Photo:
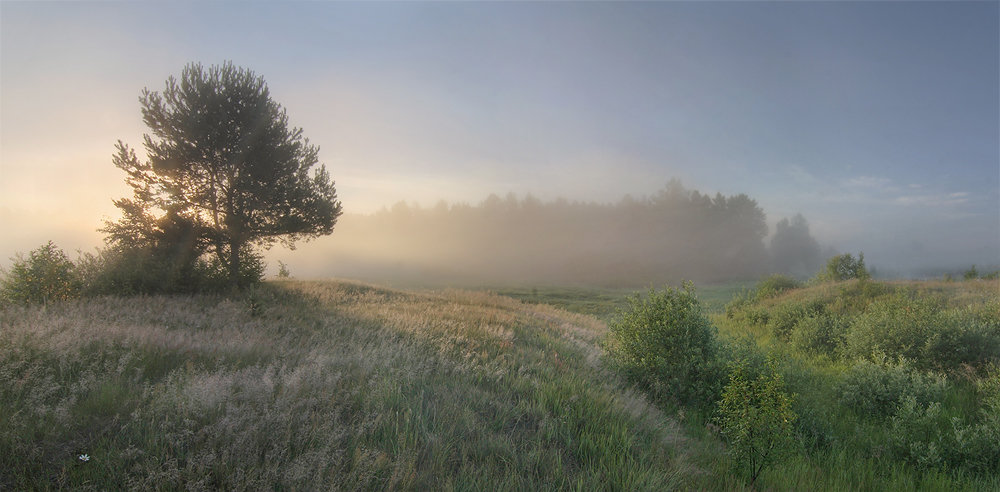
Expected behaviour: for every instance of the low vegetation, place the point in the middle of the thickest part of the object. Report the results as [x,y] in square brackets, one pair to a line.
[897,376]
[46,275]
[828,385]
[841,383]
[311,386]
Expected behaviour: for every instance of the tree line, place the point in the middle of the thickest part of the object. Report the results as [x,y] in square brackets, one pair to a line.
[677,233]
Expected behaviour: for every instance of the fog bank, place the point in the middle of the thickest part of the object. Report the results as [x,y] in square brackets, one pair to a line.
[673,235]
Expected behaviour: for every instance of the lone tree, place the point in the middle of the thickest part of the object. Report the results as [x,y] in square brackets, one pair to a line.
[225,167]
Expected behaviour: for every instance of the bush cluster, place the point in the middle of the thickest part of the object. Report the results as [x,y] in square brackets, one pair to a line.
[911,357]
[877,389]
[864,319]
[664,343]
[48,275]
[923,331]
[924,436]
[820,334]
[844,267]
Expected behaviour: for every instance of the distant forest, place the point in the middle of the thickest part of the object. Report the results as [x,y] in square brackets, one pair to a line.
[675,234]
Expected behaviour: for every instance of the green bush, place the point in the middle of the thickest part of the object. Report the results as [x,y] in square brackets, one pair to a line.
[897,327]
[963,337]
[785,316]
[45,276]
[979,442]
[741,301]
[820,334]
[844,267]
[922,331]
[854,297]
[131,271]
[664,343]
[774,285]
[876,389]
[918,434]
[138,271]
[756,417]
[922,435]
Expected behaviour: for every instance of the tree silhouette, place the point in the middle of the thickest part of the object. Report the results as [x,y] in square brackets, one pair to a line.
[793,248]
[223,162]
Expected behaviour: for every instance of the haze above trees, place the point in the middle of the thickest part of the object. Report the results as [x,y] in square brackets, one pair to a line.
[675,234]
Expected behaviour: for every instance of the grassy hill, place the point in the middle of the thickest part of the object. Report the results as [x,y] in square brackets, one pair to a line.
[335,385]
[896,384]
[304,386]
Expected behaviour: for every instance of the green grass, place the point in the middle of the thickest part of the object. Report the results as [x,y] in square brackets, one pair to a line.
[310,386]
[333,385]
[604,303]
[842,448]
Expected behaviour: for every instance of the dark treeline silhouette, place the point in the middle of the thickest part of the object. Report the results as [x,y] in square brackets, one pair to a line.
[675,234]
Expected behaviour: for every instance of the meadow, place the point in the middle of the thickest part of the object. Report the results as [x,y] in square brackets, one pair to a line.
[321,385]
[337,385]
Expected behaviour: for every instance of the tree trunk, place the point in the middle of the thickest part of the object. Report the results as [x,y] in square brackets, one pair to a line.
[234,262]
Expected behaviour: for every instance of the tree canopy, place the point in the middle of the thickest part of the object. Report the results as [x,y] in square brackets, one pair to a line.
[225,172]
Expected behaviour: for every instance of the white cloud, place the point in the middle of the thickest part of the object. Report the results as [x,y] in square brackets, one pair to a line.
[934,200]
[868,182]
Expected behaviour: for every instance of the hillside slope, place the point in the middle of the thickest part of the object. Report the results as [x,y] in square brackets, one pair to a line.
[321,386]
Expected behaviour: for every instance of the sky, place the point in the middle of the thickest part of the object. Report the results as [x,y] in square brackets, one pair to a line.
[878,121]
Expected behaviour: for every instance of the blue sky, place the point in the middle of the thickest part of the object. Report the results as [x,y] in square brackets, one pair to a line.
[877,121]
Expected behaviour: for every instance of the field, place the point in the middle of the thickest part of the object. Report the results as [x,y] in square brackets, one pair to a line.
[321,385]
[336,385]
[604,304]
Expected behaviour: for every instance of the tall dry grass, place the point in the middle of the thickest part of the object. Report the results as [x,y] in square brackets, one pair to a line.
[323,385]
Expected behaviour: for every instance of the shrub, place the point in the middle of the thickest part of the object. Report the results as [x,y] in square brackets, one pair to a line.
[876,389]
[252,269]
[962,337]
[854,297]
[922,435]
[756,417]
[785,316]
[979,442]
[131,271]
[971,273]
[820,334]
[45,276]
[917,434]
[741,301]
[664,343]
[774,285]
[897,326]
[844,267]
[923,332]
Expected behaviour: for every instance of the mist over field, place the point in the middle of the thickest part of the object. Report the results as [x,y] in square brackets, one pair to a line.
[675,234]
